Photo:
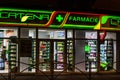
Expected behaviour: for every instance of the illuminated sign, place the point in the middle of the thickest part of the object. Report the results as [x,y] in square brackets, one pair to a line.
[51,19]
[87,48]
[24,17]
[83,19]
[110,22]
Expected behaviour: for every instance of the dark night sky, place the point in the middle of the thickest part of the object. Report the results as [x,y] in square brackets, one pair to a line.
[102,6]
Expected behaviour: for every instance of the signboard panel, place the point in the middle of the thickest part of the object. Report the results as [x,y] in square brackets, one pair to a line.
[110,22]
[51,19]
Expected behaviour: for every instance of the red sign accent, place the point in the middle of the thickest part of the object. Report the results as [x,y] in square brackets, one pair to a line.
[102,35]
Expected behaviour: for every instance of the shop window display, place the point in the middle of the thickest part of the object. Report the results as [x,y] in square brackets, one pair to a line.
[58,56]
[108,52]
[4,48]
[85,50]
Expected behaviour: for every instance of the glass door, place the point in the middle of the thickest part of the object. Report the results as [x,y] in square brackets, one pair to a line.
[44,55]
[51,55]
[59,55]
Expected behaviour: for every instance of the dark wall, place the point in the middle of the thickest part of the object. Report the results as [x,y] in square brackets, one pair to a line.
[118,51]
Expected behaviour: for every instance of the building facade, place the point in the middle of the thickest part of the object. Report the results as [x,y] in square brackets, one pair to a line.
[36,41]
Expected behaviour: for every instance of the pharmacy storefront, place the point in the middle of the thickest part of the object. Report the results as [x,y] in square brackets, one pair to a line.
[35,41]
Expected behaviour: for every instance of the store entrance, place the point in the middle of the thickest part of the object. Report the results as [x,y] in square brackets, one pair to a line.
[51,55]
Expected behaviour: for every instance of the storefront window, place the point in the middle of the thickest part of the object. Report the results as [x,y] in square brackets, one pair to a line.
[44,55]
[108,52]
[8,50]
[59,55]
[86,50]
[51,34]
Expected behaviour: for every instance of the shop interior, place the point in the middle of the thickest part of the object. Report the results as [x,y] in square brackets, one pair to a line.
[55,49]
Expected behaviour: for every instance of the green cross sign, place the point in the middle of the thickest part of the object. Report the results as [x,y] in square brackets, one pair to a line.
[59,18]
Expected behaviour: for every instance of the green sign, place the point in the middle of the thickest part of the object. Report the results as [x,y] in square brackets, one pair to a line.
[19,17]
[110,22]
[51,19]
[83,19]
[87,48]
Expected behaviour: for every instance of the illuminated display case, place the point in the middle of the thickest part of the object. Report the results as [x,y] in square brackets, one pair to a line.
[58,55]
[70,55]
[12,55]
[91,54]
[44,55]
[106,55]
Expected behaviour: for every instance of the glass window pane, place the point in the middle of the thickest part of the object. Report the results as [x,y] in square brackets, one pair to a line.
[44,55]
[70,56]
[108,52]
[27,33]
[85,34]
[51,34]
[7,32]
[86,52]
[70,34]
[4,66]
[27,55]
[58,56]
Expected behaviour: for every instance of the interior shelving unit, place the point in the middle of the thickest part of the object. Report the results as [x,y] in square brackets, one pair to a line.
[12,55]
[59,50]
[91,54]
[33,55]
[106,55]
[44,55]
[70,55]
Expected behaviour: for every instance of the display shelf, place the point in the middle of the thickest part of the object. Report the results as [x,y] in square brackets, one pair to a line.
[70,54]
[33,56]
[106,55]
[91,55]
[12,54]
[59,50]
[44,55]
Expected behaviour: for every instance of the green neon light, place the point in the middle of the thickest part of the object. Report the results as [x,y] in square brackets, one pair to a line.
[24,16]
[29,17]
[83,19]
[87,48]
[79,26]
[104,64]
[105,18]
[59,18]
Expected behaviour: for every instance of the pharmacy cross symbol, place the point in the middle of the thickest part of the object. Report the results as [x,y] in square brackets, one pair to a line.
[59,18]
